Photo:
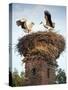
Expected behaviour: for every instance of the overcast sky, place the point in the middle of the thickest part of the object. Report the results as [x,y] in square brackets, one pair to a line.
[36,14]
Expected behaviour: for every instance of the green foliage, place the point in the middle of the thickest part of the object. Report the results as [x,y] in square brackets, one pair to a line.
[61,77]
[17,80]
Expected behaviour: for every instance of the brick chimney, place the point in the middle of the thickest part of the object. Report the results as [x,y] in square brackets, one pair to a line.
[40,51]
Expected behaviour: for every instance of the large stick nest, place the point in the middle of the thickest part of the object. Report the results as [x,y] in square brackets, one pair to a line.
[46,44]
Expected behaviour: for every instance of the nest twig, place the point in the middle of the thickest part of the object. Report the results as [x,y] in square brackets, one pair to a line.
[47,44]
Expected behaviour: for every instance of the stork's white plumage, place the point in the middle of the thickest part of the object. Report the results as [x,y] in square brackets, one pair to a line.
[23,19]
[48,27]
[25,24]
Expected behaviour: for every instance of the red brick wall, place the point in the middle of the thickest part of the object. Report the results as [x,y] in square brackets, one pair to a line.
[40,76]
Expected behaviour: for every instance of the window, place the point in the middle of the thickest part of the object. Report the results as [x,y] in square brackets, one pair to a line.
[48,72]
[33,71]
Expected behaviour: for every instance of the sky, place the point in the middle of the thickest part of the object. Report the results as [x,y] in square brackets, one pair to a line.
[35,13]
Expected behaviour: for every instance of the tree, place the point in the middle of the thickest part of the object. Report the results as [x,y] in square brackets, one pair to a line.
[61,76]
[16,80]
[22,75]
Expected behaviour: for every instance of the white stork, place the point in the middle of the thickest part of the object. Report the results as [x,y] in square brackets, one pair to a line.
[25,24]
